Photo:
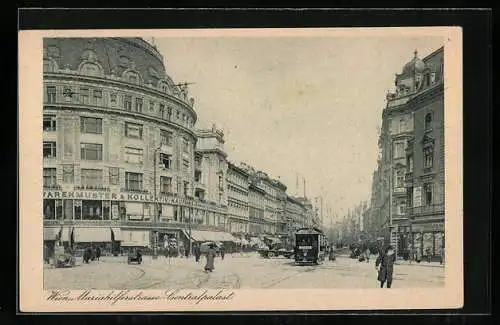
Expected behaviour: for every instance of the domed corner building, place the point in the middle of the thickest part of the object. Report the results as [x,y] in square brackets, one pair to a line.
[117,133]
[411,160]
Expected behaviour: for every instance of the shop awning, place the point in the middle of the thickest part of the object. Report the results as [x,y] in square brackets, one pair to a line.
[215,236]
[92,234]
[51,233]
[117,233]
[135,238]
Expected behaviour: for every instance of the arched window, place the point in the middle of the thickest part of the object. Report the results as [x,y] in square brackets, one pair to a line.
[428,121]
[132,77]
[90,69]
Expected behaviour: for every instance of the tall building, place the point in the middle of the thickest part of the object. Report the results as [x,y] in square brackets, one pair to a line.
[238,199]
[118,146]
[408,189]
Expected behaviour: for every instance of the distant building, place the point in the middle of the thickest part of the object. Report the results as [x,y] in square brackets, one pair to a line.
[238,199]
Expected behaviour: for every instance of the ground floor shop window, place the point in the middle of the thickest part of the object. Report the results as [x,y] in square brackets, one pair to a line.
[78,209]
[68,209]
[106,210]
[91,210]
[49,209]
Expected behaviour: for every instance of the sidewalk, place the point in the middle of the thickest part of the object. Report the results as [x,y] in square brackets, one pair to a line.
[422,263]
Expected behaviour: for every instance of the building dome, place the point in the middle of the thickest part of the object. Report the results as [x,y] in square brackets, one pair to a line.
[111,56]
[416,65]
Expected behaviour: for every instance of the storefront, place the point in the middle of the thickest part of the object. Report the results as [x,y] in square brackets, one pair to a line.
[426,239]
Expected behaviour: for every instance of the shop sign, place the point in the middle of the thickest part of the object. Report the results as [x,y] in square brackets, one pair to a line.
[428,227]
[130,197]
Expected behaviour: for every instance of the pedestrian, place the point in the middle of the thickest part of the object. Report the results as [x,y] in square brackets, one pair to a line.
[181,251]
[87,255]
[186,252]
[197,252]
[46,254]
[428,254]
[385,266]
[210,255]
[367,255]
[97,252]
[222,251]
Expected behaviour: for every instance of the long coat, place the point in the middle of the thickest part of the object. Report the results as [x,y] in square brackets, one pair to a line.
[386,263]
[210,260]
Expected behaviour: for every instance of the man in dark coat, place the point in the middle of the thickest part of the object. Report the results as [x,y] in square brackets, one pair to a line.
[97,252]
[385,264]
[87,254]
[197,252]
[222,251]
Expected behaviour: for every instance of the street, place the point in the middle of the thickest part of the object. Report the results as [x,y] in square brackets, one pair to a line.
[236,271]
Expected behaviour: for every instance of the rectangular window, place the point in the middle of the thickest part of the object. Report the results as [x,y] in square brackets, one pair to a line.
[165,184]
[166,138]
[133,130]
[112,99]
[91,125]
[186,188]
[97,97]
[51,94]
[127,102]
[151,105]
[68,173]
[91,178]
[49,123]
[165,161]
[399,150]
[428,193]
[409,197]
[185,165]
[428,157]
[133,155]
[409,164]
[49,177]
[178,115]
[402,208]
[138,105]
[133,181]
[114,176]
[49,149]
[162,111]
[169,113]
[399,183]
[84,95]
[90,151]
[185,145]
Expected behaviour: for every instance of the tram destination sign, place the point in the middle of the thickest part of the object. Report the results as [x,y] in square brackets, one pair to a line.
[112,196]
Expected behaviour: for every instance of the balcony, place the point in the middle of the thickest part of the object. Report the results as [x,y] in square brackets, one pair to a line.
[82,223]
[434,209]
[399,191]
[131,190]
[93,188]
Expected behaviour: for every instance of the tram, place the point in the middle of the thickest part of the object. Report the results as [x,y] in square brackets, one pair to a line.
[311,246]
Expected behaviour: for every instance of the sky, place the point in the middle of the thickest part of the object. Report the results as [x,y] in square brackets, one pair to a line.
[295,107]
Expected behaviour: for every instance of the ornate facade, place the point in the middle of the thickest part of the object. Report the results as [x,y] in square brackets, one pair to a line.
[123,162]
[410,172]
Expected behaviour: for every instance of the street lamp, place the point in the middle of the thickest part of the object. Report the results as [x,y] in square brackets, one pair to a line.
[157,204]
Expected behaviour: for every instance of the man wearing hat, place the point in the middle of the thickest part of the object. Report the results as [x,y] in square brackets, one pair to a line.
[385,265]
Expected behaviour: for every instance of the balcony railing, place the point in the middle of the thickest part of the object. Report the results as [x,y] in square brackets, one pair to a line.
[92,187]
[426,210]
[124,189]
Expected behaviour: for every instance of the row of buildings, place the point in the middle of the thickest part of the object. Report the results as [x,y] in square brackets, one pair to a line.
[408,191]
[123,161]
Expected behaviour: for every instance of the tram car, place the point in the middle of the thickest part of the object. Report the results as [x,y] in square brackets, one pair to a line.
[311,246]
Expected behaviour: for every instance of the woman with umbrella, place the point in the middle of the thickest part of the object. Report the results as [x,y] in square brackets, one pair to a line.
[210,254]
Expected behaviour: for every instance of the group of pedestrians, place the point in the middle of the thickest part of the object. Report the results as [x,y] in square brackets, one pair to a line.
[91,254]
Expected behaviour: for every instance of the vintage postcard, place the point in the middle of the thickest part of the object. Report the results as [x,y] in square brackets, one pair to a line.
[240,169]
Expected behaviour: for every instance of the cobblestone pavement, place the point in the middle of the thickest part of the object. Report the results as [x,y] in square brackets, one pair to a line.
[235,271]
